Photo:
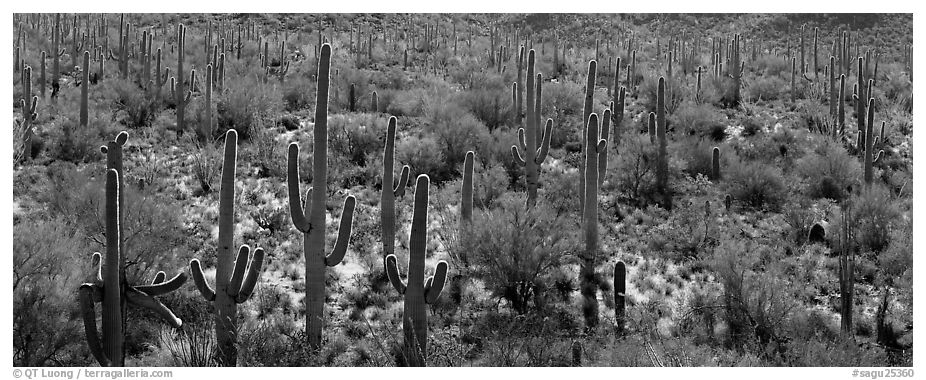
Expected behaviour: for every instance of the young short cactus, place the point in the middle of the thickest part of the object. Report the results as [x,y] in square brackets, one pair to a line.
[528,154]
[390,190]
[109,285]
[588,280]
[715,164]
[374,102]
[620,292]
[310,220]
[417,291]
[231,285]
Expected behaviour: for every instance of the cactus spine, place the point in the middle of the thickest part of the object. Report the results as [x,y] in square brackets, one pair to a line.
[109,285]
[231,285]
[310,220]
[417,291]
[587,277]
[528,154]
[390,190]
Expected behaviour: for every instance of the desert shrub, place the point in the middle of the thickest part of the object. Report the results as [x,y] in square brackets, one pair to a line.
[456,131]
[422,154]
[765,88]
[634,169]
[829,170]
[756,185]
[355,136]
[206,165]
[700,120]
[138,107]
[773,66]
[489,184]
[563,101]
[875,213]
[533,339]
[269,156]
[697,155]
[244,104]
[516,248]
[299,92]
[49,258]
[757,303]
[488,99]
[154,235]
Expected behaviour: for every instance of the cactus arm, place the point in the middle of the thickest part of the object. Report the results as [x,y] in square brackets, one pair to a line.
[521,140]
[200,280]
[159,278]
[545,143]
[250,281]
[392,270]
[139,298]
[163,287]
[97,261]
[344,230]
[241,263]
[292,181]
[433,289]
[517,155]
[602,145]
[399,189]
[86,300]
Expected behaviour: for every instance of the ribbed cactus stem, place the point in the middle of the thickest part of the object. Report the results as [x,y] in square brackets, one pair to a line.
[620,292]
[869,142]
[418,291]
[715,164]
[310,220]
[85,90]
[231,286]
[587,278]
[390,190]
[662,161]
[112,283]
[586,112]
[527,152]
[466,207]
[603,155]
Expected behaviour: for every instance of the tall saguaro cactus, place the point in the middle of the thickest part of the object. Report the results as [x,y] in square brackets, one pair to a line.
[662,162]
[588,280]
[109,285]
[390,190]
[528,154]
[591,79]
[231,285]
[85,90]
[178,90]
[417,291]
[27,104]
[310,220]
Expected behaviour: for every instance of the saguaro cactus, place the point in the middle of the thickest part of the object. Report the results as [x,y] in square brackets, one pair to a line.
[85,90]
[390,190]
[662,163]
[231,285]
[310,220]
[620,292]
[27,104]
[528,154]
[586,112]
[178,88]
[417,291]
[109,286]
[588,280]
[715,164]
